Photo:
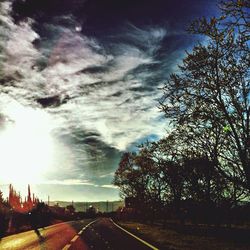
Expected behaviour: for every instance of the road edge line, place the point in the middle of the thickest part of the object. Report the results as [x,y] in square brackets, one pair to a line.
[136,237]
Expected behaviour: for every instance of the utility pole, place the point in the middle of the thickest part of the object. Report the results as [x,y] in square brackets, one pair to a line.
[107,206]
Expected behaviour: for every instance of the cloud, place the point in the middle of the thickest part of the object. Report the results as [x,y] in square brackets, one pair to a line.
[109,186]
[106,175]
[98,105]
[69,182]
[97,83]
[73,182]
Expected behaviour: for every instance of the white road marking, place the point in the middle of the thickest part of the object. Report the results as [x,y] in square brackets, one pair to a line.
[76,236]
[142,241]
[66,247]
[89,224]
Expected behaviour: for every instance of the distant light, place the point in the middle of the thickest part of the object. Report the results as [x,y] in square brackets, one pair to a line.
[78,28]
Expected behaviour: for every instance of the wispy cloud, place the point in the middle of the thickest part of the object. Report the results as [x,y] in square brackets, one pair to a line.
[109,186]
[99,92]
[69,182]
[106,175]
[77,182]
[106,101]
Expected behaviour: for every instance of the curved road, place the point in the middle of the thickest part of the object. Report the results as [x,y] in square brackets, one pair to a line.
[100,234]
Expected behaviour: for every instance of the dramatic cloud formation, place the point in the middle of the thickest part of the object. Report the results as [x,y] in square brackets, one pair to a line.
[81,78]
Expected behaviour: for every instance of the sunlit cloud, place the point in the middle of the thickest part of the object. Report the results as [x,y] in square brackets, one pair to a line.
[106,175]
[71,101]
[69,182]
[109,186]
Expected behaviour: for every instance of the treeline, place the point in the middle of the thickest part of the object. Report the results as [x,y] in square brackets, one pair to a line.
[201,169]
[13,221]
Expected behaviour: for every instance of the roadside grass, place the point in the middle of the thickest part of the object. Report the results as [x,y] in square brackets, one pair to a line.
[176,238]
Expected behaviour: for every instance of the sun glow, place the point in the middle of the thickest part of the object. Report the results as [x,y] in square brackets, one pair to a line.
[26,145]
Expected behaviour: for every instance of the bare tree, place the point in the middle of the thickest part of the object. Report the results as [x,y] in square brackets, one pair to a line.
[213,86]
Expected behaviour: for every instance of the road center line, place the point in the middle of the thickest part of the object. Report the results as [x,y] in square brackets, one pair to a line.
[89,224]
[76,236]
[136,237]
[66,247]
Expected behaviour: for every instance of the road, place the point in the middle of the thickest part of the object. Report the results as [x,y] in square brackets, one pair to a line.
[100,234]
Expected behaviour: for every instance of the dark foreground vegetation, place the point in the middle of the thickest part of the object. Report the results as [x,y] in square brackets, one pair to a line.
[200,172]
[191,237]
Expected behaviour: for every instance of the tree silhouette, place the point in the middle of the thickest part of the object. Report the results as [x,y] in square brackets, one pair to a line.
[201,169]
[213,87]
[1,198]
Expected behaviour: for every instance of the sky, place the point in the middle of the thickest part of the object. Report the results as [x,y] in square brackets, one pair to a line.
[80,82]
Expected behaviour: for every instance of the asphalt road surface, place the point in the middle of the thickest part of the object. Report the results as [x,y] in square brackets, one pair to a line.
[100,234]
